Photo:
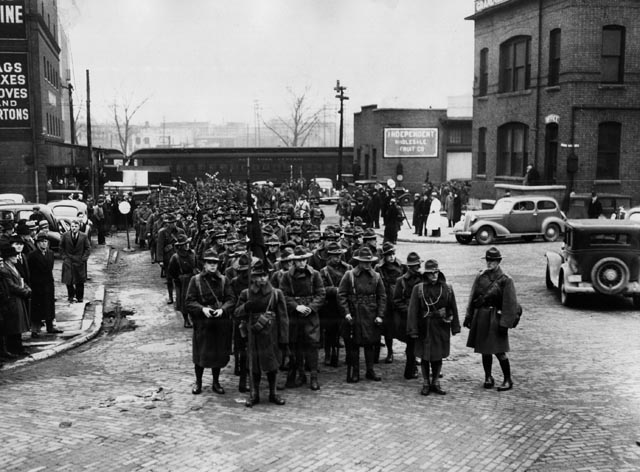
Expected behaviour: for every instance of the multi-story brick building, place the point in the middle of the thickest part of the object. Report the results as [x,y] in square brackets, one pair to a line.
[412,146]
[557,86]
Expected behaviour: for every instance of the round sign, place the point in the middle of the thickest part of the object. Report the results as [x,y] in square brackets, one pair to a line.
[391,183]
[400,177]
[124,208]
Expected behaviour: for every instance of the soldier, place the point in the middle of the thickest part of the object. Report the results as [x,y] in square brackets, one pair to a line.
[238,284]
[317,215]
[167,237]
[273,253]
[318,258]
[362,298]
[393,219]
[302,286]
[330,319]
[391,270]
[264,310]
[401,295]
[182,266]
[141,217]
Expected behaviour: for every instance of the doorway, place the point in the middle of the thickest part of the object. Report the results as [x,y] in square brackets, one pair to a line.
[551,153]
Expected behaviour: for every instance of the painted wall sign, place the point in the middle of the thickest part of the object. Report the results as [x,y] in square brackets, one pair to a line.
[12,25]
[14,91]
[484,4]
[411,142]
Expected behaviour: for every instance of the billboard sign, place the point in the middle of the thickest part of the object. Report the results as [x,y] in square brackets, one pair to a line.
[12,25]
[411,142]
[14,91]
[484,4]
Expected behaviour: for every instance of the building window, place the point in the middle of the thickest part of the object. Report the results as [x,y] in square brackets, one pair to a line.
[455,136]
[146,140]
[374,166]
[608,161]
[482,151]
[512,149]
[137,139]
[554,57]
[484,72]
[515,65]
[613,54]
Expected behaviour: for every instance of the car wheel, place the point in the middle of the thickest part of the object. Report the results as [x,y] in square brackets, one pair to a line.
[485,235]
[565,298]
[464,239]
[552,233]
[610,275]
[548,280]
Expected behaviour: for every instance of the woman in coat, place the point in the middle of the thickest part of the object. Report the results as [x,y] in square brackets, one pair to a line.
[434,219]
[43,305]
[363,300]
[491,311]
[182,266]
[210,302]
[432,320]
[16,316]
[263,309]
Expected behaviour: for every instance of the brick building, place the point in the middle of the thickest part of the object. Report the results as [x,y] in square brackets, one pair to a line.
[412,145]
[32,129]
[557,86]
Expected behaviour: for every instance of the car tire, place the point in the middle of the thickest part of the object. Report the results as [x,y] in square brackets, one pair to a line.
[565,298]
[610,275]
[548,280]
[485,235]
[551,232]
[464,239]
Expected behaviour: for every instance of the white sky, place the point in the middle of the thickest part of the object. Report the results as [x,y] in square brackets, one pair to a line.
[210,60]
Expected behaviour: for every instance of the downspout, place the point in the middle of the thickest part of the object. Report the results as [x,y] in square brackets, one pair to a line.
[538,80]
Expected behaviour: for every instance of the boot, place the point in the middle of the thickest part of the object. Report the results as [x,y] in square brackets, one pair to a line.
[376,353]
[291,379]
[273,397]
[301,379]
[436,367]
[389,343]
[314,385]
[507,383]
[187,321]
[369,358]
[335,354]
[215,386]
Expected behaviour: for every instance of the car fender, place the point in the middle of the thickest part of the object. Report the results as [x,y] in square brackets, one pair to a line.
[499,229]
[553,219]
[555,263]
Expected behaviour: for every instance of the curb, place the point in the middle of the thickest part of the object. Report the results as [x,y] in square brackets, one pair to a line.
[98,306]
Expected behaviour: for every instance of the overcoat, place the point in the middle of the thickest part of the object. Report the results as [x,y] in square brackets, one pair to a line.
[401,296]
[303,287]
[16,315]
[390,273]
[434,219]
[266,353]
[211,336]
[433,318]
[361,293]
[182,266]
[43,305]
[165,244]
[330,313]
[74,256]
[492,303]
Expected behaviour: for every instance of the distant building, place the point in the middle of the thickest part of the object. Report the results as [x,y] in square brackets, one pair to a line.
[557,86]
[413,146]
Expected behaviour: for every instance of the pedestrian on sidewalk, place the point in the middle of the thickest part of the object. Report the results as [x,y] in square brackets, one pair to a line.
[16,315]
[434,219]
[43,305]
[74,250]
[491,311]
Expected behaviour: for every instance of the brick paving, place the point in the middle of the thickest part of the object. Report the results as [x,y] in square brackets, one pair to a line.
[575,405]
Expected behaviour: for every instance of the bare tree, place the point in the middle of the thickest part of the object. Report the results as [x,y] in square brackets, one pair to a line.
[123,114]
[295,130]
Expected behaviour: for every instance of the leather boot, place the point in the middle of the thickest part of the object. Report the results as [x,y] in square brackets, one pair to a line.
[335,353]
[369,358]
[376,353]
[314,385]
[301,379]
[349,374]
[291,379]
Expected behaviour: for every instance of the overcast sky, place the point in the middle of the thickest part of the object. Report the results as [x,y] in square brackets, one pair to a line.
[211,60]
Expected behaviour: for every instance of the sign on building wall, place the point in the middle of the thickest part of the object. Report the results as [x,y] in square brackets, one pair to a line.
[12,25]
[14,91]
[411,142]
[484,4]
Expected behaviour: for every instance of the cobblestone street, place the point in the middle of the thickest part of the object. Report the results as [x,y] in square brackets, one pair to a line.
[575,404]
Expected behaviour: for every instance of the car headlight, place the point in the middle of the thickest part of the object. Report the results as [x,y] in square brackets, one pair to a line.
[573,266]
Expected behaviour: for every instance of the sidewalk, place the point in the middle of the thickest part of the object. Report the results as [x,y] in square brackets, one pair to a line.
[79,321]
[407,234]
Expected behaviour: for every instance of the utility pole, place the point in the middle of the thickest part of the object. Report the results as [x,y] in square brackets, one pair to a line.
[72,124]
[92,161]
[256,119]
[340,90]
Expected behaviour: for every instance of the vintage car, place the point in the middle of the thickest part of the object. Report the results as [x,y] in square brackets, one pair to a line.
[598,256]
[402,194]
[36,212]
[326,193]
[523,216]
[12,198]
[68,210]
[633,214]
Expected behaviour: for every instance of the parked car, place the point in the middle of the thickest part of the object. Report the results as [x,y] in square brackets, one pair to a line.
[328,193]
[598,256]
[402,194]
[67,210]
[36,212]
[523,216]
[11,198]
[633,214]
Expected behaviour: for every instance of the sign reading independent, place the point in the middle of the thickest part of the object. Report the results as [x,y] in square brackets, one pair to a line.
[12,24]
[14,91]
[411,142]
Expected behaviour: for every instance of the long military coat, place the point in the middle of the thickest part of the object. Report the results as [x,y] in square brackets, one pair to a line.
[390,273]
[331,314]
[361,293]
[165,245]
[16,315]
[401,296]
[265,351]
[211,336]
[182,266]
[303,287]
[43,305]
[74,258]
[433,318]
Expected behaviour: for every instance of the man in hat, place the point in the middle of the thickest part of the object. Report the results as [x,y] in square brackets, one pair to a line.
[317,215]
[27,232]
[99,220]
[305,293]
[422,210]
[6,230]
[43,228]
[182,266]
[434,219]
[491,311]
[14,304]
[393,219]
[362,300]
[263,308]
[167,237]
[302,207]
[431,321]
[318,257]
[401,296]
[373,209]
[43,307]
[210,303]
[239,283]
[359,210]
[273,253]
[330,318]
[74,250]
[390,269]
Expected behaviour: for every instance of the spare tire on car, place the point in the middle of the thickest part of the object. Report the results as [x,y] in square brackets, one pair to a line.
[610,275]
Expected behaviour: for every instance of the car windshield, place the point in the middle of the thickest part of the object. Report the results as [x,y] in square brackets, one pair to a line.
[504,205]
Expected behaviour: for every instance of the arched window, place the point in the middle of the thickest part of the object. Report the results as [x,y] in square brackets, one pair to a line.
[613,54]
[512,154]
[515,64]
[608,161]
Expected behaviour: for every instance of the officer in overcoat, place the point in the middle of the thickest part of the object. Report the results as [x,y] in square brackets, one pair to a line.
[210,303]
[165,248]
[182,266]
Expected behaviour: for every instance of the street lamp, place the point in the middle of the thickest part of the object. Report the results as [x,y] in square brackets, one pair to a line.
[340,90]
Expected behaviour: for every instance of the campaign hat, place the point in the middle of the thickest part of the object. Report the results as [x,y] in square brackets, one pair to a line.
[413,259]
[364,254]
[272,240]
[388,248]
[334,248]
[258,268]
[285,254]
[300,252]
[369,233]
[182,240]
[244,263]
[211,255]
[431,266]
[493,254]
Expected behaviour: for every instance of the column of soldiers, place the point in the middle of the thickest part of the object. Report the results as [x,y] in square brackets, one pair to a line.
[275,301]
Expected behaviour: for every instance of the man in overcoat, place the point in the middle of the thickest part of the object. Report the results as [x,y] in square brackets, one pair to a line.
[16,316]
[43,306]
[74,251]
[182,266]
[165,248]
